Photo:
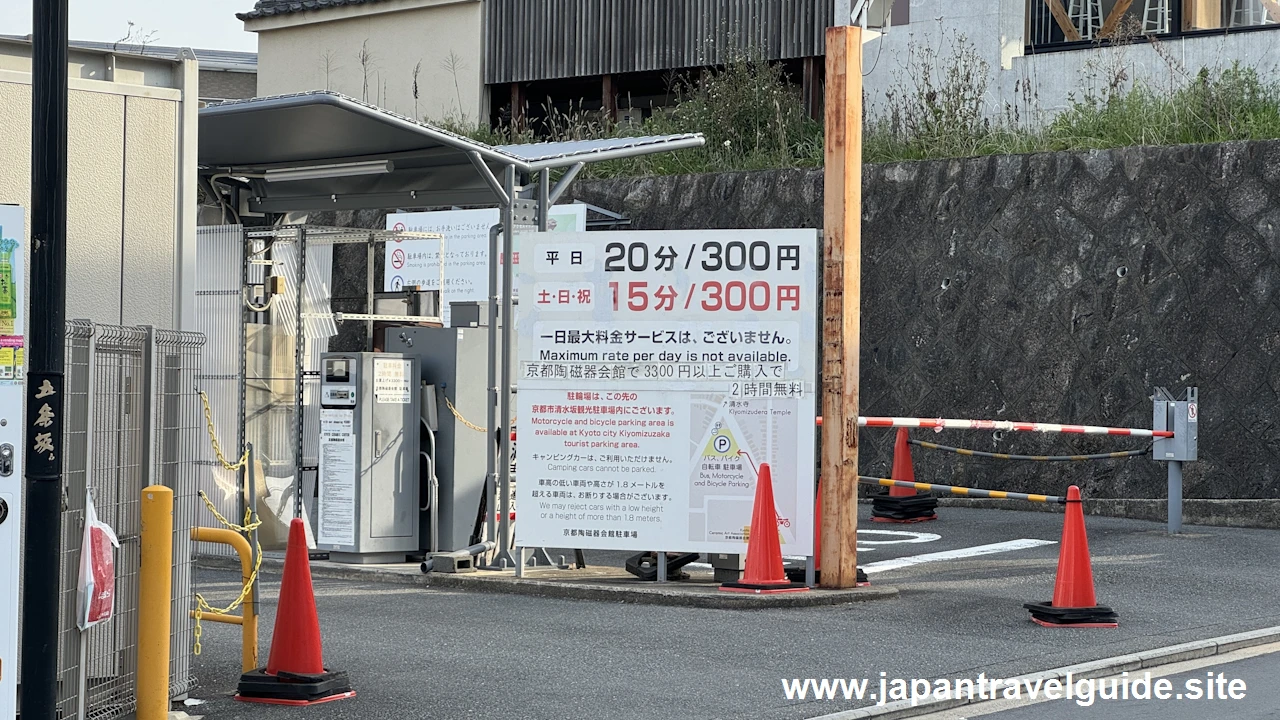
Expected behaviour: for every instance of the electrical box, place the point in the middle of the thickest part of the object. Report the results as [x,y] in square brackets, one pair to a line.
[368,472]
[454,361]
[12,381]
[1182,416]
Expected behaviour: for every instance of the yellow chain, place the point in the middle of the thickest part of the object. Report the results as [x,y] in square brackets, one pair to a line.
[213,440]
[463,420]
[250,524]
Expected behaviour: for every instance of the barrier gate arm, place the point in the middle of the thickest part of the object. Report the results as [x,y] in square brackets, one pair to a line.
[248,620]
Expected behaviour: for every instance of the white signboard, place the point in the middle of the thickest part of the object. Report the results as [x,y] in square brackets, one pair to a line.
[657,371]
[391,380]
[466,250]
[12,309]
[337,510]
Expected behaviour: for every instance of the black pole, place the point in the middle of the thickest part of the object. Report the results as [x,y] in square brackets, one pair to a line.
[45,360]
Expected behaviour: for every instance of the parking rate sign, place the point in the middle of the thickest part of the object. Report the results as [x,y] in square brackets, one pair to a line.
[657,370]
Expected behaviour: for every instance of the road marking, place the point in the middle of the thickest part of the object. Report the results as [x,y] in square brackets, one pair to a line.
[1103,668]
[904,537]
[975,551]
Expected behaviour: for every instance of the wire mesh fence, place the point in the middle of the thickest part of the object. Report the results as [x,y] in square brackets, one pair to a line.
[180,454]
[132,420]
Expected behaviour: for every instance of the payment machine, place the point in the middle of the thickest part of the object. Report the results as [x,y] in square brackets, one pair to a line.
[368,510]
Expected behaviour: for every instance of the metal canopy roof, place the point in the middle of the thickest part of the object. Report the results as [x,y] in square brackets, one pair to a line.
[426,166]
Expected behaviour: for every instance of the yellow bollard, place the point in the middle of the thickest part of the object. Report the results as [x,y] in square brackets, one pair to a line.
[155,597]
[248,619]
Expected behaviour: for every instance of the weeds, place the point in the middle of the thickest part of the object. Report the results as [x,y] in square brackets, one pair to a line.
[752,115]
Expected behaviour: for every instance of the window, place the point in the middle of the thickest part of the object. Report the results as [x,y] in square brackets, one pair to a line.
[886,13]
[1217,14]
[1079,23]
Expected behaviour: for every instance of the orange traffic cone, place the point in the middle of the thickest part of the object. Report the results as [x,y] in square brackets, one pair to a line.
[764,572]
[903,505]
[1074,603]
[295,673]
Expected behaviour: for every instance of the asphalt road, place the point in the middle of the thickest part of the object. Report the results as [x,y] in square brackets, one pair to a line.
[423,653]
[1256,697]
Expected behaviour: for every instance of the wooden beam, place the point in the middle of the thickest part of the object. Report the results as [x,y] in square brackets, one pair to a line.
[517,107]
[1201,14]
[1064,20]
[1113,20]
[1273,10]
[841,306]
[608,100]
[811,81]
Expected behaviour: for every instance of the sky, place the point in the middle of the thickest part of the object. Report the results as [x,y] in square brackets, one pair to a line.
[209,24]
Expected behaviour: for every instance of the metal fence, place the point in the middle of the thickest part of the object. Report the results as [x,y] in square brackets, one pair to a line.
[132,420]
[219,255]
[250,364]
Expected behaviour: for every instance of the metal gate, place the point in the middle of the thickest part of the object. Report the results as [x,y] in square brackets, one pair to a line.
[132,420]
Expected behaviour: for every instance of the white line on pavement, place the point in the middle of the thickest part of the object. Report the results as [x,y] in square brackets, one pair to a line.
[991,549]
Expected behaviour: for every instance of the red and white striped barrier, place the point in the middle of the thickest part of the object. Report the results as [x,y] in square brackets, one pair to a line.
[1008,425]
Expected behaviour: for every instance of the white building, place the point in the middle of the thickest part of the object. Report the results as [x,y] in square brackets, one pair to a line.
[1041,52]
[419,58]
[131,185]
[482,58]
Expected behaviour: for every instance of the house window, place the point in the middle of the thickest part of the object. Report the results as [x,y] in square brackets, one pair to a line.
[886,13]
[1218,14]
[1064,24]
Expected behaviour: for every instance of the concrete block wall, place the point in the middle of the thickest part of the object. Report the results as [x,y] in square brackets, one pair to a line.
[1058,287]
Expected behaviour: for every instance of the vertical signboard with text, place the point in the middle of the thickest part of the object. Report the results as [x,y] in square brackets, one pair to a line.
[657,370]
[12,321]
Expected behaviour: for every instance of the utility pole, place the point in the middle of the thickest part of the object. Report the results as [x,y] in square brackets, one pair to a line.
[45,360]
[841,302]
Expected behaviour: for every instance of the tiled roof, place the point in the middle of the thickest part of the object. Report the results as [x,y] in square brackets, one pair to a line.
[271,8]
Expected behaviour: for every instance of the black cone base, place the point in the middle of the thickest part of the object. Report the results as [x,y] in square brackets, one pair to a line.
[1046,614]
[764,588]
[904,509]
[292,689]
[796,574]
[645,565]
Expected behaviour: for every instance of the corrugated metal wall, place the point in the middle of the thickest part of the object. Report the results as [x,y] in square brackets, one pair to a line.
[544,39]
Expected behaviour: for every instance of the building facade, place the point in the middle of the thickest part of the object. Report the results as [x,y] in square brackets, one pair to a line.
[1039,54]
[224,74]
[131,185]
[419,58]
[499,60]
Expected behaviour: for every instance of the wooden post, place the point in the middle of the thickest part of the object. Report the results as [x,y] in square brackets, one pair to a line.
[811,81]
[608,101]
[841,307]
[517,107]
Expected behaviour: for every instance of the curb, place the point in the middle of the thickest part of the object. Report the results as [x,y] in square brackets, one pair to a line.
[1263,514]
[1083,671]
[638,594]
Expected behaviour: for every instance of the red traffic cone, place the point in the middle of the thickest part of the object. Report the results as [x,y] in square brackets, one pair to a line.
[902,469]
[903,504]
[295,673]
[764,572]
[1074,603]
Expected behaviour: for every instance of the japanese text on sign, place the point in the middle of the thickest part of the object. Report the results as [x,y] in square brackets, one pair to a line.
[656,371]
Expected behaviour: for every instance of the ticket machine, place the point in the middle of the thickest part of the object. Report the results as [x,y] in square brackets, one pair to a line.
[368,474]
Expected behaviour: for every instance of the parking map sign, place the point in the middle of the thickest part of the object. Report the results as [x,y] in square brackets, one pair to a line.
[657,370]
